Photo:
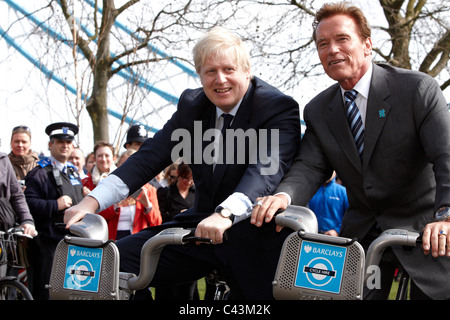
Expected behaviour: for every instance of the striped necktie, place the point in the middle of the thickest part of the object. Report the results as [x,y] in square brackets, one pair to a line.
[355,120]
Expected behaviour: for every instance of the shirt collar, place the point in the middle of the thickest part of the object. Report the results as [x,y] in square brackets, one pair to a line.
[363,85]
[233,111]
[60,166]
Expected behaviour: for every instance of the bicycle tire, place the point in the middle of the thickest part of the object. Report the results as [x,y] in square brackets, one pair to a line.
[11,289]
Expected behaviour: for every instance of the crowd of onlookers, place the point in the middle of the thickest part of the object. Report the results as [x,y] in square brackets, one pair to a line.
[167,194]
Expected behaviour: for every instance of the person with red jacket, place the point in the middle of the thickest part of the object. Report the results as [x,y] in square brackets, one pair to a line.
[104,164]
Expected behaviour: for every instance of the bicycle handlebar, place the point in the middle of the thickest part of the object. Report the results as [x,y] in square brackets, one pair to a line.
[152,249]
[390,237]
[294,217]
[298,219]
[18,231]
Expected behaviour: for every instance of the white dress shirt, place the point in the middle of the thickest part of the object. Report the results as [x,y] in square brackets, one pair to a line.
[363,87]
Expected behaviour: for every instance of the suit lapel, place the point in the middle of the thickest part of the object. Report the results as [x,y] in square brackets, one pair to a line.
[338,124]
[377,110]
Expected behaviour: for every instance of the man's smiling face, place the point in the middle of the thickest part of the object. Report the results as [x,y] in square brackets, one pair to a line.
[345,57]
[224,81]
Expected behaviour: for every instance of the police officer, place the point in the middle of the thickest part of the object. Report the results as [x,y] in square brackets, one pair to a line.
[52,187]
[136,136]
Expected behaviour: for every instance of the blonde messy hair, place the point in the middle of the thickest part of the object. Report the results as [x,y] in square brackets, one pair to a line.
[216,42]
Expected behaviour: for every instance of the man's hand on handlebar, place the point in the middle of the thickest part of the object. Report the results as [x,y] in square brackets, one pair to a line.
[213,227]
[266,208]
[29,229]
[436,239]
[77,212]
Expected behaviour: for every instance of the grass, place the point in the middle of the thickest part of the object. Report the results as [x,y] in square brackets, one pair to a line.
[201,285]
[394,288]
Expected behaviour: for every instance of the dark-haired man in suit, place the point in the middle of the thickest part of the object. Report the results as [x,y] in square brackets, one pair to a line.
[393,155]
[266,125]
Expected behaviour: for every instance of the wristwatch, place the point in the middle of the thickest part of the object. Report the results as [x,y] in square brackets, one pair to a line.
[443,214]
[225,212]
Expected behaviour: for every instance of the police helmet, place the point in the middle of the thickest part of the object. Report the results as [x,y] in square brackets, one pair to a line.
[136,133]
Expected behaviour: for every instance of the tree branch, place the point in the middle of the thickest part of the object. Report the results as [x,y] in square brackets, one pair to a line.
[125,6]
[78,41]
[138,62]
[445,85]
[441,48]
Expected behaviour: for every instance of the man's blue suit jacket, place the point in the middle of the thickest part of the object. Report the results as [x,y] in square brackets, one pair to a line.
[264,109]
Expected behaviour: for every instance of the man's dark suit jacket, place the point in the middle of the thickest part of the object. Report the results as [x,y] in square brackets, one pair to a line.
[263,108]
[250,254]
[404,176]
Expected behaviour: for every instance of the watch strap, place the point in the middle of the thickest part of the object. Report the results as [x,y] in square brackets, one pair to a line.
[219,210]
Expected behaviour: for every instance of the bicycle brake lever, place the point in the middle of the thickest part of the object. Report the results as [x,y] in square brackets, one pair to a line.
[196,239]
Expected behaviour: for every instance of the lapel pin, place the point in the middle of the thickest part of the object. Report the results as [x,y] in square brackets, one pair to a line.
[382,113]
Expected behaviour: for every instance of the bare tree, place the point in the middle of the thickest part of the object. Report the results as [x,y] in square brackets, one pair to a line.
[101,61]
[403,30]
[165,26]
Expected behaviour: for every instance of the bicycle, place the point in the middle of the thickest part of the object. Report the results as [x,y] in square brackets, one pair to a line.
[11,288]
[86,266]
[95,275]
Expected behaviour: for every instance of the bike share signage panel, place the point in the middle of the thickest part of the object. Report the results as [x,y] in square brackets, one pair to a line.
[320,266]
[83,268]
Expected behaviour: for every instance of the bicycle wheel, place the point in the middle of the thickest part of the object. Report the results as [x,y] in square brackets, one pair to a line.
[14,290]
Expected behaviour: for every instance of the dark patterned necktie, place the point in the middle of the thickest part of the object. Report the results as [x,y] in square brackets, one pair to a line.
[227,118]
[355,120]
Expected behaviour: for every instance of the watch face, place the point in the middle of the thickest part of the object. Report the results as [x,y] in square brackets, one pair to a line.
[225,212]
[443,214]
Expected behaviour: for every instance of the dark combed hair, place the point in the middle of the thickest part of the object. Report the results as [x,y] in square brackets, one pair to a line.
[331,9]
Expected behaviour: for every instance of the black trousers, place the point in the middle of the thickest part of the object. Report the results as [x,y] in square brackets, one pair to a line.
[247,260]
[42,251]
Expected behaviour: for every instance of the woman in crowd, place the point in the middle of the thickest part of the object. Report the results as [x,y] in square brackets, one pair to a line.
[90,162]
[22,158]
[179,196]
[170,175]
[104,164]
